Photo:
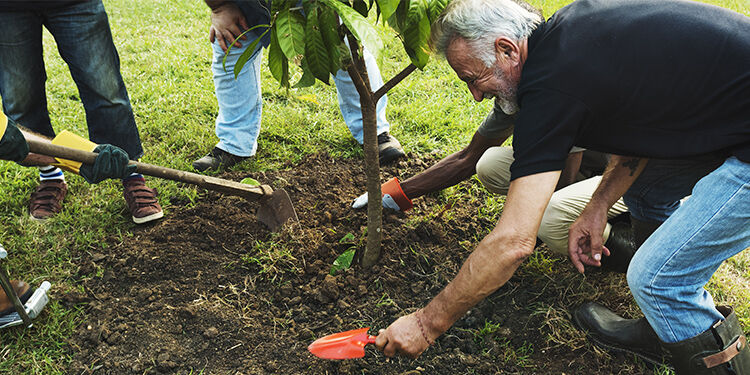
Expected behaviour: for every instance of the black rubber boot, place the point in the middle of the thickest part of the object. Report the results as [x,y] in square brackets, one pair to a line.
[642,230]
[621,248]
[613,332]
[721,350]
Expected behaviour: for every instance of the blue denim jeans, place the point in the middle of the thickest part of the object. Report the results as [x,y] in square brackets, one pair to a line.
[668,273]
[85,43]
[240,102]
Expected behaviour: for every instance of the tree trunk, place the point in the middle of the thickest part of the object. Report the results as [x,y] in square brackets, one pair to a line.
[372,171]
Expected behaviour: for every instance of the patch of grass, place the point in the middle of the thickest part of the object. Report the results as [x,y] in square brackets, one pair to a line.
[272,257]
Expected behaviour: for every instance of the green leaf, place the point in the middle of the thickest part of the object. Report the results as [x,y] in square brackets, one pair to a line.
[329,28]
[277,62]
[290,28]
[316,52]
[307,79]
[348,238]
[416,34]
[250,181]
[387,7]
[229,49]
[435,8]
[343,261]
[358,25]
[247,54]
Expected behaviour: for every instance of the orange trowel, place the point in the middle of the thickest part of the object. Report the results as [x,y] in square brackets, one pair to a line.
[342,345]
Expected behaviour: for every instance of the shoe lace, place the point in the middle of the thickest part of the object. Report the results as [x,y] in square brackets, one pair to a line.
[47,197]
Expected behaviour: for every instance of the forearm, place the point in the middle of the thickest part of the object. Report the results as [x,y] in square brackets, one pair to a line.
[453,169]
[498,255]
[483,272]
[619,175]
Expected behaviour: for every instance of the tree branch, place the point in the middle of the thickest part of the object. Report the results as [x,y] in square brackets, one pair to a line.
[393,82]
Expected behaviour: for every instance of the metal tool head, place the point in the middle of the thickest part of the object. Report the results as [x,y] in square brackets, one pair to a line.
[276,210]
[343,345]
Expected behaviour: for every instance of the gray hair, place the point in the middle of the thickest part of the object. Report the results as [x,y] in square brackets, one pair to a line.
[480,23]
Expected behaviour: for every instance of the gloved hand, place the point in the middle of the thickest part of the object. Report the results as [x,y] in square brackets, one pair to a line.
[112,162]
[13,144]
[393,197]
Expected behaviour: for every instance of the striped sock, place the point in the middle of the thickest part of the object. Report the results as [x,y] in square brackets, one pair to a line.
[49,172]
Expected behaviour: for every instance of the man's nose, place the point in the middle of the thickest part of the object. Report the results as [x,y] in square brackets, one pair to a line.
[476,93]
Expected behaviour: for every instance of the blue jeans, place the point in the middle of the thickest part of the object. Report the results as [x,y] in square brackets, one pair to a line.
[668,273]
[240,102]
[85,43]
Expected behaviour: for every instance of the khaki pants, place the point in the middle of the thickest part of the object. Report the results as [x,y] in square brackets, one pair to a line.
[566,204]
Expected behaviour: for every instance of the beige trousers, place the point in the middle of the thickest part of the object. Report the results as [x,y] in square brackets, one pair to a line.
[566,204]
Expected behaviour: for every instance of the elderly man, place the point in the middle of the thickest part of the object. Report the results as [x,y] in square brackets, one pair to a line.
[666,80]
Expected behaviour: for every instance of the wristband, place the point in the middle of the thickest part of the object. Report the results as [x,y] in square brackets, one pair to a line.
[393,188]
[421,328]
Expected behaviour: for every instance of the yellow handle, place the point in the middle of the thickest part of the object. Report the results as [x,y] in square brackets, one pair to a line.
[72,140]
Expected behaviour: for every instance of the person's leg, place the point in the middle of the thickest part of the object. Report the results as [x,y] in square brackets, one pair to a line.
[240,101]
[22,74]
[349,98]
[667,276]
[565,207]
[84,41]
[493,169]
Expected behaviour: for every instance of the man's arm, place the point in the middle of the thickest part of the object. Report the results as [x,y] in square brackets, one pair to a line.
[585,242]
[454,168]
[490,266]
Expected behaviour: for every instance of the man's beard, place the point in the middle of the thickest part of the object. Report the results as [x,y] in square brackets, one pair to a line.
[505,95]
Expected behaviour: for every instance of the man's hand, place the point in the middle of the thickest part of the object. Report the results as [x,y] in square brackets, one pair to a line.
[227,23]
[112,162]
[393,197]
[404,337]
[585,239]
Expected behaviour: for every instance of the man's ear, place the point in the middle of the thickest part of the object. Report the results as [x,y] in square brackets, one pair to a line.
[507,50]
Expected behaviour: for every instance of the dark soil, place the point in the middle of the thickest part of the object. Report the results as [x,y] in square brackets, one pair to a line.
[210,290]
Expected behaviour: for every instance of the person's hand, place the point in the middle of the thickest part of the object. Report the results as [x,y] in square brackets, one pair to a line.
[404,336]
[393,197]
[13,144]
[227,23]
[112,162]
[585,239]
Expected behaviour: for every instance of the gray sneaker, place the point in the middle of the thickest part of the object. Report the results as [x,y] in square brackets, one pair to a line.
[217,159]
[389,148]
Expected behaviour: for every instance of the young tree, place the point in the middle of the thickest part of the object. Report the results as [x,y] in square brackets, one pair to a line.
[314,35]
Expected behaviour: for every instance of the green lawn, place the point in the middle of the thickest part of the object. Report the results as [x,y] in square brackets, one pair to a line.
[165,55]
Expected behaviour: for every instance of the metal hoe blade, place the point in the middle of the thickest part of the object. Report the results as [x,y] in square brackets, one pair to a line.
[276,210]
[343,345]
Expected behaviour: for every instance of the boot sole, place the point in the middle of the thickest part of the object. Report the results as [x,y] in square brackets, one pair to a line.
[146,219]
[614,348]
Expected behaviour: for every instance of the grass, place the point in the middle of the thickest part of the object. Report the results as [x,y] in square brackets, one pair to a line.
[165,60]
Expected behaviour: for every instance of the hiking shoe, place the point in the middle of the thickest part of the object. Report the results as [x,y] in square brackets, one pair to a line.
[389,148]
[23,291]
[141,200]
[217,159]
[47,200]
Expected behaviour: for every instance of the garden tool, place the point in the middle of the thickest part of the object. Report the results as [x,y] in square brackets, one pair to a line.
[275,205]
[33,307]
[343,345]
